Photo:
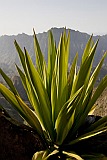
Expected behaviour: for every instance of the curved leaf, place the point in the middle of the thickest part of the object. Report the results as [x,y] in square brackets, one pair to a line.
[72,155]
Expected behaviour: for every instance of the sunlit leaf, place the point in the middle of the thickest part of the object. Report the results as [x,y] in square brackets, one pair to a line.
[72,155]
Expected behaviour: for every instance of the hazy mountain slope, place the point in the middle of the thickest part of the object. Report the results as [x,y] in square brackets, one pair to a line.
[8,54]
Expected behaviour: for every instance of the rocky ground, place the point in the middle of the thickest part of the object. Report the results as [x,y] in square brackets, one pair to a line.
[17,142]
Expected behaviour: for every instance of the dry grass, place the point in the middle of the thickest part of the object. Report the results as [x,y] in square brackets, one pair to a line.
[101,103]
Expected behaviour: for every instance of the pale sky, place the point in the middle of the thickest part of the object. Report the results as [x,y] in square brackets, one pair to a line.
[21,16]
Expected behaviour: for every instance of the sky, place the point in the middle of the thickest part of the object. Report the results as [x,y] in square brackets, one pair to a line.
[21,16]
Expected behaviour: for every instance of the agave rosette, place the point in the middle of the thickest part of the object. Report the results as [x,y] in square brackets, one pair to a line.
[61,101]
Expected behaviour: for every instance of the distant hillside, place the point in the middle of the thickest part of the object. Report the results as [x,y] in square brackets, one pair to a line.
[8,54]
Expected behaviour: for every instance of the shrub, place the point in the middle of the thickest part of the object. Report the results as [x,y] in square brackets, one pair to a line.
[61,100]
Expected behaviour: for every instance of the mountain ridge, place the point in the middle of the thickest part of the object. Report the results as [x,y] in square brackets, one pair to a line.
[9,56]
